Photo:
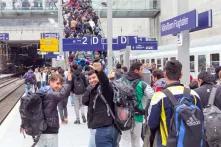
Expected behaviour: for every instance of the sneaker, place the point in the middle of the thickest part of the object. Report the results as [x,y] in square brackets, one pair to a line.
[77,122]
[84,119]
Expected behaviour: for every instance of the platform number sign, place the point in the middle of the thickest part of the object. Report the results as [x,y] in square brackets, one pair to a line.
[4,36]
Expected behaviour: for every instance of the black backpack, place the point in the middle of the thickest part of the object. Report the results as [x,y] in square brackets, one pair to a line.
[32,115]
[125,104]
[79,85]
[186,125]
[212,116]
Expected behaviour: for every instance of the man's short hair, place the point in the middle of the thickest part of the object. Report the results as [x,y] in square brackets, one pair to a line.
[135,66]
[55,77]
[91,72]
[206,77]
[173,70]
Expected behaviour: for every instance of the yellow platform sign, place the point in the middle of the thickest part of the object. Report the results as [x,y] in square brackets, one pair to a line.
[49,45]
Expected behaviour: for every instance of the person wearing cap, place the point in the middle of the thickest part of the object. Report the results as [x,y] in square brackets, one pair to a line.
[206,83]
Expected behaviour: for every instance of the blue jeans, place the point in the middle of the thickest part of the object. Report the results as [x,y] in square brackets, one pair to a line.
[92,138]
[43,83]
[48,140]
[107,137]
[28,88]
[71,97]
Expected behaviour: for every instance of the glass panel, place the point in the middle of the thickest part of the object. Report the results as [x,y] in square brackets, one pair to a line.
[165,60]
[28,4]
[30,22]
[191,58]
[201,63]
[214,57]
[214,62]
[158,63]
[152,60]
[128,4]
[192,66]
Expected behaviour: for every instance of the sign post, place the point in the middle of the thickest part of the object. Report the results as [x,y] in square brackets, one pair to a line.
[186,21]
[100,44]
[181,26]
[184,49]
[109,36]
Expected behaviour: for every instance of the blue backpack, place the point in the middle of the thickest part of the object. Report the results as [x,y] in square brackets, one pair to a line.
[187,123]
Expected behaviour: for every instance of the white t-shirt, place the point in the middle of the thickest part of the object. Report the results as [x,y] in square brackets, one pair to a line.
[38,76]
[44,75]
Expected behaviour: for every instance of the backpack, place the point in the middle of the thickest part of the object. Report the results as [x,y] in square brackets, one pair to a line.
[79,86]
[124,103]
[212,118]
[186,125]
[29,78]
[32,115]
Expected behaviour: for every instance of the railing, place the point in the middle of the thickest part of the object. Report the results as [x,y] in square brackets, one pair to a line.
[28,5]
[129,4]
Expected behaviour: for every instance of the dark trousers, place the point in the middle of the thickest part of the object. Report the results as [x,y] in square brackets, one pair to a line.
[39,84]
[62,109]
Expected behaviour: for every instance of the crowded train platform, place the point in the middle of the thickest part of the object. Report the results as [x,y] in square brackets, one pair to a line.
[110,73]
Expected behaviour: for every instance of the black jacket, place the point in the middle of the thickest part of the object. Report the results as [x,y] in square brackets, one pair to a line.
[50,102]
[98,117]
[204,93]
[78,73]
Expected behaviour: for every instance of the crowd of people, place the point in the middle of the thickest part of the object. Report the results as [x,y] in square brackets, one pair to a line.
[80,19]
[91,87]
[125,104]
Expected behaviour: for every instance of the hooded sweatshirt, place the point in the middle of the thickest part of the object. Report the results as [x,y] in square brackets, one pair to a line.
[143,93]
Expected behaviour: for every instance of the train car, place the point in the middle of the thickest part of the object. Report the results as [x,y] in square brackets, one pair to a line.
[201,58]
[204,55]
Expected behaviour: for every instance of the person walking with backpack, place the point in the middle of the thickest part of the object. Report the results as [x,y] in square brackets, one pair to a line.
[143,93]
[176,112]
[30,81]
[62,106]
[79,85]
[99,99]
[210,95]
[38,79]
[48,127]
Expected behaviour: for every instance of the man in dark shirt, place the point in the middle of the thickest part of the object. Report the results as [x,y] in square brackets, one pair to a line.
[54,93]
[99,118]
[206,83]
